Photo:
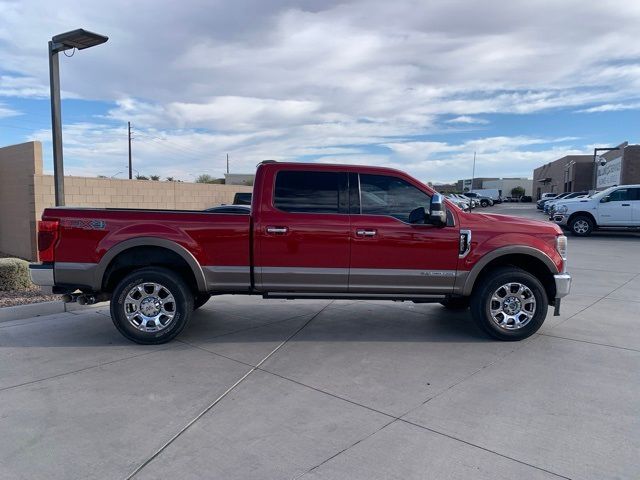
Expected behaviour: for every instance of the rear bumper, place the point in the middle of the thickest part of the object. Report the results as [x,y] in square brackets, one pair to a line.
[42,274]
[563,284]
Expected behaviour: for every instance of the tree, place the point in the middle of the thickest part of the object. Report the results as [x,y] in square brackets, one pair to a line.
[517,191]
[204,178]
[154,177]
[141,177]
[102,176]
[171,179]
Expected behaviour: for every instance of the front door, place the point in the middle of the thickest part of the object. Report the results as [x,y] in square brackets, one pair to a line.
[302,240]
[617,209]
[391,255]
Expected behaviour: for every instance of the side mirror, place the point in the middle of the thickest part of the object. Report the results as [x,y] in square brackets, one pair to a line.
[605,199]
[418,215]
[437,211]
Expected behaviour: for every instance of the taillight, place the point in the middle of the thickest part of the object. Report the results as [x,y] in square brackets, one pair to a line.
[47,236]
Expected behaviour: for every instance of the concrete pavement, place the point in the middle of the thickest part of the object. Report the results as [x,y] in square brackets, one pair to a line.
[361,390]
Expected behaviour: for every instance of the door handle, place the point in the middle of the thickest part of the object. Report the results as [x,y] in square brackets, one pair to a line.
[277,230]
[626,204]
[366,233]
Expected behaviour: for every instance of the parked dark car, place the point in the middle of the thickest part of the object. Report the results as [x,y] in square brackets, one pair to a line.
[242,198]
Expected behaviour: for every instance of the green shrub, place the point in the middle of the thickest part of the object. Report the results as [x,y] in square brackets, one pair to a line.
[14,274]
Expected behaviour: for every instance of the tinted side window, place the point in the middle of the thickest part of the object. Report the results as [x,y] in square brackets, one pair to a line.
[384,195]
[620,195]
[635,194]
[308,192]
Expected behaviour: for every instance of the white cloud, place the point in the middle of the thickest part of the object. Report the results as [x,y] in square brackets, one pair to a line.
[468,120]
[357,81]
[7,112]
[611,107]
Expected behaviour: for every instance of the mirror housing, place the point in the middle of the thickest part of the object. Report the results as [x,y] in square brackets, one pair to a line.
[437,211]
[604,199]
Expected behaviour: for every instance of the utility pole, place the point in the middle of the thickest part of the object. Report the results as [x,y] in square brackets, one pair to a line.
[473,177]
[227,164]
[130,165]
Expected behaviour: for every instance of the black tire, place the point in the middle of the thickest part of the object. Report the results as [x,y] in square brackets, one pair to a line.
[581,226]
[181,307]
[456,303]
[484,203]
[481,303]
[200,299]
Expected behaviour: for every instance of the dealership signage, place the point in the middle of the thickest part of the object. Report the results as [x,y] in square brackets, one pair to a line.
[609,173]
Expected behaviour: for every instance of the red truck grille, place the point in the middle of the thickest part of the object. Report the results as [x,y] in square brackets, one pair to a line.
[47,236]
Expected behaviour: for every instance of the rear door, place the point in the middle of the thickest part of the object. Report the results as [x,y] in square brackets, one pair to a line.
[302,239]
[389,255]
[617,210]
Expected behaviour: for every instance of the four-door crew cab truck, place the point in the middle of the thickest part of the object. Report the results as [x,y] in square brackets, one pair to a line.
[313,231]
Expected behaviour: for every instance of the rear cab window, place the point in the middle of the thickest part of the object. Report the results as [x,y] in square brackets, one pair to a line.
[311,192]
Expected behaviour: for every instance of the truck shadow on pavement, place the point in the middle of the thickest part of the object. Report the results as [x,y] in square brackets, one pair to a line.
[212,324]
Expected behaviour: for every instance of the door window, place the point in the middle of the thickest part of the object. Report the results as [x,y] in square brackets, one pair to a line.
[385,195]
[310,192]
[620,195]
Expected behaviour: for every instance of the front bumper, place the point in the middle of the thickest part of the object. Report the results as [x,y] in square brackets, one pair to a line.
[560,219]
[563,284]
[42,274]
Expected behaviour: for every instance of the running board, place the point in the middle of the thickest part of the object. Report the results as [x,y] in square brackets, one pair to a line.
[356,296]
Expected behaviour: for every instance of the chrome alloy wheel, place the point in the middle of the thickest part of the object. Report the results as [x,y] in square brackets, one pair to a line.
[513,305]
[149,307]
[581,226]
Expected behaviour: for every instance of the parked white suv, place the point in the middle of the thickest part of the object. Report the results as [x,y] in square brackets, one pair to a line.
[615,207]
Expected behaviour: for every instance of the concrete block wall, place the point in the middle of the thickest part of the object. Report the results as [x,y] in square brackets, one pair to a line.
[25,192]
[18,167]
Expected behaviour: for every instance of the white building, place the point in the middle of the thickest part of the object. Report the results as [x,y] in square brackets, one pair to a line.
[505,185]
[239,178]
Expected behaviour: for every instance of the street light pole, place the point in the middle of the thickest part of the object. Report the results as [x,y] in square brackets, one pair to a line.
[78,39]
[56,123]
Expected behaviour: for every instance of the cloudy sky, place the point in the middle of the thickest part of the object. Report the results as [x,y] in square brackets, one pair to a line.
[419,85]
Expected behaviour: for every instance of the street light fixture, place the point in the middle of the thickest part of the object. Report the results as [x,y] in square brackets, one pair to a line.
[79,39]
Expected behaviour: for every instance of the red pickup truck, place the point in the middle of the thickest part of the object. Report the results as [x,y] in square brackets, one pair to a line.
[312,231]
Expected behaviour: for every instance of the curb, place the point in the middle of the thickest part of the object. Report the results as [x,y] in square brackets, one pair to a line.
[20,312]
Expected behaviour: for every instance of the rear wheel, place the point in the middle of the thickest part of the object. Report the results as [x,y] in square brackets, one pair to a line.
[581,226]
[510,304]
[151,305]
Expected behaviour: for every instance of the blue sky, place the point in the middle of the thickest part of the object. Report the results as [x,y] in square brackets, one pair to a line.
[410,85]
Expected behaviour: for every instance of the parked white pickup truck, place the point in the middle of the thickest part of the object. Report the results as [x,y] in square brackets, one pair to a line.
[615,207]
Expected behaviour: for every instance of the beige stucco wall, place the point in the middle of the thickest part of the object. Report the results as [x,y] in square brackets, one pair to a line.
[25,192]
[19,164]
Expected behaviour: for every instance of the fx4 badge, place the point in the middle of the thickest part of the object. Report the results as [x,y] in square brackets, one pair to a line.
[84,224]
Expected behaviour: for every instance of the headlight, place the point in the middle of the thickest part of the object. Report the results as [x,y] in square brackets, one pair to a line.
[561,246]
[562,209]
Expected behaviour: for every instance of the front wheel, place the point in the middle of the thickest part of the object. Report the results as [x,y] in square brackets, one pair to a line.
[151,305]
[581,226]
[484,203]
[510,304]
